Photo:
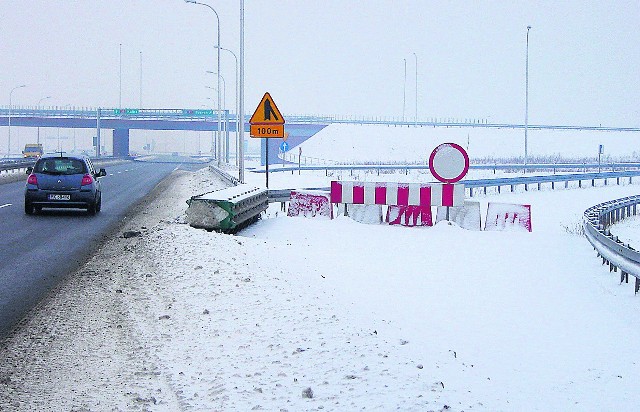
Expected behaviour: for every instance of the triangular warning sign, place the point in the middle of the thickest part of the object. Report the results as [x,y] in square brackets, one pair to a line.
[267,112]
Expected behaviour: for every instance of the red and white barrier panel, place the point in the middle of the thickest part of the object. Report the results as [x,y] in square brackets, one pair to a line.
[309,204]
[409,215]
[506,216]
[397,194]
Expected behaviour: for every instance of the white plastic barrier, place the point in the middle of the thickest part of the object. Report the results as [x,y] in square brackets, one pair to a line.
[507,216]
[368,214]
[467,216]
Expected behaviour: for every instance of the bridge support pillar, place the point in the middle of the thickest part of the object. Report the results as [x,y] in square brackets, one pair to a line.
[121,142]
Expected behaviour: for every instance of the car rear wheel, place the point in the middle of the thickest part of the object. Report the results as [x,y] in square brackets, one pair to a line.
[28,208]
[99,203]
[91,209]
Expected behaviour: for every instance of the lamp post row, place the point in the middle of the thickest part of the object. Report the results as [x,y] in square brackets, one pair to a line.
[219,152]
[404,91]
[239,90]
[10,104]
[237,103]
[40,101]
[526,104]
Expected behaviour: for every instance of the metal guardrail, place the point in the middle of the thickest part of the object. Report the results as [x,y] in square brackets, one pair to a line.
[16,164]
[446,122]
[596,222]
[553,179]
[483,184]
[231,180]
[111,113]
[24,163]
[495,167]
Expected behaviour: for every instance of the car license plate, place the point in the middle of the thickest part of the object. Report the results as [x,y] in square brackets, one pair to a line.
[59,197]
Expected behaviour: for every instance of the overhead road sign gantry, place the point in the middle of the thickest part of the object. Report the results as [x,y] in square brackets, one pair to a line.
[267,121]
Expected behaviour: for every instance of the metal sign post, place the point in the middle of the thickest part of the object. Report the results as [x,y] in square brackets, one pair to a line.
[284,146]
[600,151]
[267,122]
[266,163]
[449,163]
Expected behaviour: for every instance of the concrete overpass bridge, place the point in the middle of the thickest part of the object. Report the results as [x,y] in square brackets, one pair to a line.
[121,121]
[299,127]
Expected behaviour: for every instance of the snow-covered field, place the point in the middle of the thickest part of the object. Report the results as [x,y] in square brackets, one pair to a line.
[371,143]
[296,314]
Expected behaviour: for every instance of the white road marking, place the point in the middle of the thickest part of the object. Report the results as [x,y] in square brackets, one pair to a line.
[8,204]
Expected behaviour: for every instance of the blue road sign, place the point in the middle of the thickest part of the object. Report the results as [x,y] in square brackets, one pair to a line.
[284,146]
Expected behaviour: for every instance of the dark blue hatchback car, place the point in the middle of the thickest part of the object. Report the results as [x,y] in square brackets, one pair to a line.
[63,182]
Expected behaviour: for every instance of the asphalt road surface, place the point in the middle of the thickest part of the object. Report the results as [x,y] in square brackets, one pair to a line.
[37,251]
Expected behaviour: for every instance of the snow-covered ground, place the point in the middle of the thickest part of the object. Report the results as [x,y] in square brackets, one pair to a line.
[371,143]
[628,230]
[296,314]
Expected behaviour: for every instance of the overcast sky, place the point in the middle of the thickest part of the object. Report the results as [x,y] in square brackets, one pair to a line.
[333,56]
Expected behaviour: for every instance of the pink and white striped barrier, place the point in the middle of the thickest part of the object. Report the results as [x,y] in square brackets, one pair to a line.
[397,194]
[409,216]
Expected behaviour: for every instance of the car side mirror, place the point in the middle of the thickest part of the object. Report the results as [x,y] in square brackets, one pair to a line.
[102,172]
[29,170]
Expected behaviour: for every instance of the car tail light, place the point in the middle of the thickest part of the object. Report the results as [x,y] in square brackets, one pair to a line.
[86,180]
[32,179]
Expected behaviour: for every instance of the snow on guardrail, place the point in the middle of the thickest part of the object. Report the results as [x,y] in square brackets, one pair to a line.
[596,222]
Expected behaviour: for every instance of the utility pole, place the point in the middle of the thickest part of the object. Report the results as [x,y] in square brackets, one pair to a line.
[526,105]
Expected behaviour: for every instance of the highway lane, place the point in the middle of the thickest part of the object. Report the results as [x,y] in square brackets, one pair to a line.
[37,251]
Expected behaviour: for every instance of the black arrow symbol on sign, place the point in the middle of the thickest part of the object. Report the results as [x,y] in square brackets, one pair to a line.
[268,110]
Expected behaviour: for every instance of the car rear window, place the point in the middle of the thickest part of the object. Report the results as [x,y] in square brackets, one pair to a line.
[60,166]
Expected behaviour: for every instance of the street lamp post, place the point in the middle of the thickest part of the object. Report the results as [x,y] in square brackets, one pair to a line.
[526,104]
[241,105]
[120,80]
[140,102]
[10,104]
[404,90]
[66,106]
[218,49]
[214,140]
[40,101]
[237,104]
[224,107]
[415,120]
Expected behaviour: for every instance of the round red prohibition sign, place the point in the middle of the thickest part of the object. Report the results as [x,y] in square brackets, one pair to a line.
[449,162]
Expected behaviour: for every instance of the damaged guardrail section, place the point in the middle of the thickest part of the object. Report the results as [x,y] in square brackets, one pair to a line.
[227,210]
[596,223]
